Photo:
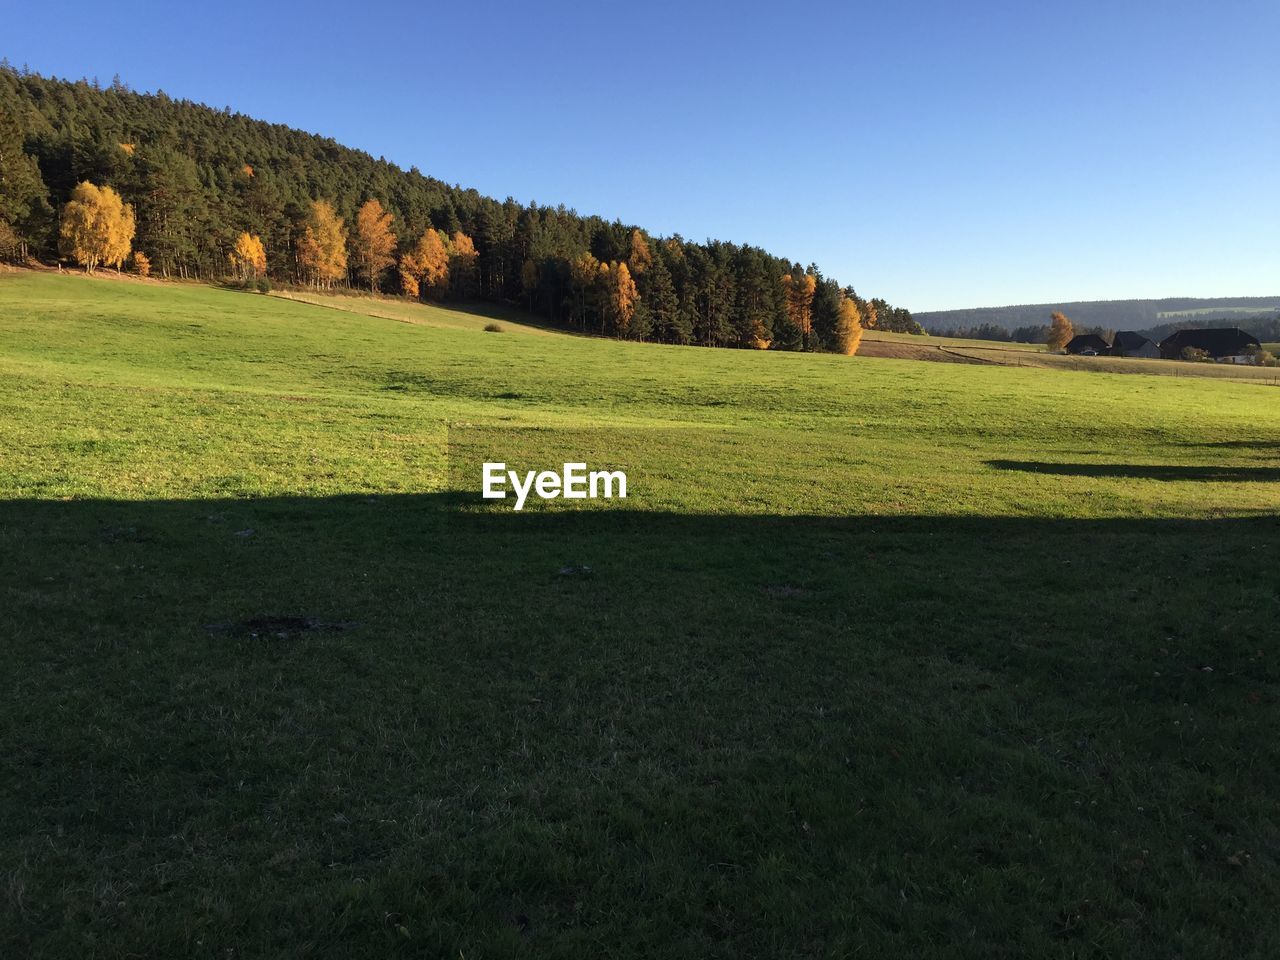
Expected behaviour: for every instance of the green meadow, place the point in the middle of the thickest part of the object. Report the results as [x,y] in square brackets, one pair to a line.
[878,657]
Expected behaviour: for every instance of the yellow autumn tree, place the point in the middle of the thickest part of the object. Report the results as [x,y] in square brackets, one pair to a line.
[871,319]
[434,254]
[1061,330]
[640,256]
[372,243]
[848,327]
[426,266]
[618,297]
[322,249]
[141,264]
[97,227]
[464,262]
[248,257]
[409,285]
[799,291]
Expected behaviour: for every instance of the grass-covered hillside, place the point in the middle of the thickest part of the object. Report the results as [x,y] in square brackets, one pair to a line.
[878,658]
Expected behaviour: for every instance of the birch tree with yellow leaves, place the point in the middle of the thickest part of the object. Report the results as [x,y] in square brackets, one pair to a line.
[97,227]
[248,257]
[322,249]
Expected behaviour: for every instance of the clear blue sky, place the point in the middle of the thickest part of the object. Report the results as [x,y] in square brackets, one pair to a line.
[938,154]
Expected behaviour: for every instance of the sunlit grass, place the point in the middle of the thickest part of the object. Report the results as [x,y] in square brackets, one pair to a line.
[878,658]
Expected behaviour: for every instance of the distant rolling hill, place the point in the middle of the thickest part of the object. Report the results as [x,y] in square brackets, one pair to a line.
[1112,314]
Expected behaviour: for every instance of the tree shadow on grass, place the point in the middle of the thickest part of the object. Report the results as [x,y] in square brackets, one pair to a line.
[1145,471]
[410,725]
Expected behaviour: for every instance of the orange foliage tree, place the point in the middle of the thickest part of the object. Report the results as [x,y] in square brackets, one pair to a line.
[641,256]
[618,297]
[373,244]
[322,249]
[1061,330]
[848,327]
[426,266]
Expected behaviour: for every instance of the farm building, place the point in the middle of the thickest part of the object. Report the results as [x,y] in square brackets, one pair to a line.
[1225,344]
[1088,345]
[1128,343]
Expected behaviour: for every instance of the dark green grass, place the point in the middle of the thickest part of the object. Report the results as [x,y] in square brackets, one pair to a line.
[878,659]
[726,736]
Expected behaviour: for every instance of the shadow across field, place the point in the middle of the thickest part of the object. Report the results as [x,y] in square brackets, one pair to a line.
[1145,471]
[413,725]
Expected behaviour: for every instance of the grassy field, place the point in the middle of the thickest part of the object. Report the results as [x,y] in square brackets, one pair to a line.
[961,342]
[879,657]
[474,317]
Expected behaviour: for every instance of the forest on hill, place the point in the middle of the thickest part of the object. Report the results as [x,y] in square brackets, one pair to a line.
[206,194]
[1142,315]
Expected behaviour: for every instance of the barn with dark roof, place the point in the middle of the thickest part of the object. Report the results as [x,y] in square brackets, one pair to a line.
[1129,343]
[1220,343]
[1088,345]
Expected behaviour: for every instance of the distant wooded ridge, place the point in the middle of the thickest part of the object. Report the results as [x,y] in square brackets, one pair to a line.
[1265,328]
[1143,315]
[107,176]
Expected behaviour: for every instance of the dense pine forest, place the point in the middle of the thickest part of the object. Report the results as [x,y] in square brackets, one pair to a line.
[209,194]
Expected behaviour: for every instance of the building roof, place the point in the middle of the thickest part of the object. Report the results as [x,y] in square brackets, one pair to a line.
[1215,341]
[1087,341]
[1129,340]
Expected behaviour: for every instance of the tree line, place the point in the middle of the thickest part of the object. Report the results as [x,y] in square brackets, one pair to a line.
[1057,332]
[212,193]
[1031,333]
